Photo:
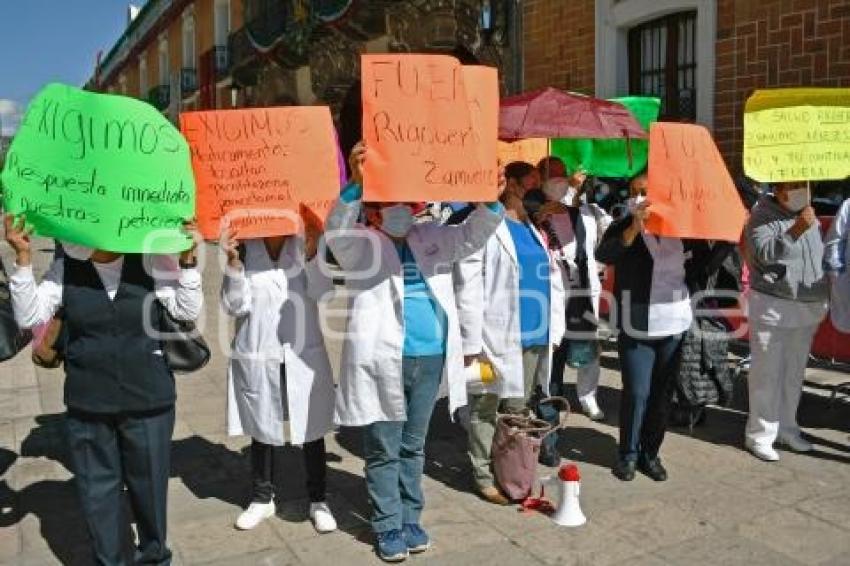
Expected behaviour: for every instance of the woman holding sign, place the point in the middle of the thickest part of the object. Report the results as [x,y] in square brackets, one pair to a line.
[575,228]
[403,338]
[279,368]
[654,311]
[118,387]
[788,300]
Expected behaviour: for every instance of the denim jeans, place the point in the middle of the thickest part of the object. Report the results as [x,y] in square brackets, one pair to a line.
[395,450]
[648,369]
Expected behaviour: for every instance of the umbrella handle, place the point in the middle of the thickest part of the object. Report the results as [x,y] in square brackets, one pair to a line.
[629,149]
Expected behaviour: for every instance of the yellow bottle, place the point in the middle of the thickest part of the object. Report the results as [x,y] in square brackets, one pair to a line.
[487,373]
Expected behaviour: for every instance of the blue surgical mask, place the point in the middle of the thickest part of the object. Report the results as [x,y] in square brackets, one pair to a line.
[397,220]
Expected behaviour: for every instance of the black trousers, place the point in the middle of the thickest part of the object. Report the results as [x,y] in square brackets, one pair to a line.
[109,452]
[262,470]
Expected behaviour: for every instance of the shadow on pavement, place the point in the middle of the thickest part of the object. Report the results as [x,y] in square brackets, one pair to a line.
[212,470]
[53,503]
[209,470]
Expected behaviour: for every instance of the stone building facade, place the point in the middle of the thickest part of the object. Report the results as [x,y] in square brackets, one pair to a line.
[201,54]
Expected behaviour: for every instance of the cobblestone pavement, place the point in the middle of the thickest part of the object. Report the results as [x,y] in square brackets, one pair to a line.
[720,506]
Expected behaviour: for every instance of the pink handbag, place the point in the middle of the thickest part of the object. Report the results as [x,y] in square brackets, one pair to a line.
[516,447]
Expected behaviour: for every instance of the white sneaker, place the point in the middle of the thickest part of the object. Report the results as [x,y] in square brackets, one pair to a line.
[590,408]
[322,518]
[762,452]
[255,514]
[796,443]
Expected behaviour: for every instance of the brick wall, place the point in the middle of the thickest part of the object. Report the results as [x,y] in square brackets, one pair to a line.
[558,44]
[775,43]
[760,44]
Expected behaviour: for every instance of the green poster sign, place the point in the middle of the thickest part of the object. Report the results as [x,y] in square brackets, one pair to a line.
[104,171]
[610,158]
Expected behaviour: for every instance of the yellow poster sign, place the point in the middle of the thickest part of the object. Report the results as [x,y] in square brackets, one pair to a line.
[797,134]
[530,150]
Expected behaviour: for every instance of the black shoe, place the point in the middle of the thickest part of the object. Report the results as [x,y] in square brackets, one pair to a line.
[625,470]
[549,458]
[653,468]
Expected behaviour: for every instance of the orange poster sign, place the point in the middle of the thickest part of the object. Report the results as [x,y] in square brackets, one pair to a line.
[531,150]
[430,126]
[255,169]
[690,191]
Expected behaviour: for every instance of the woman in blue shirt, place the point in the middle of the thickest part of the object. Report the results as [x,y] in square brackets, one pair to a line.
[511,307]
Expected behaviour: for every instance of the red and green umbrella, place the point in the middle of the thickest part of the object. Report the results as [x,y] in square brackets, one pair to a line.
[611,158]
[604,137]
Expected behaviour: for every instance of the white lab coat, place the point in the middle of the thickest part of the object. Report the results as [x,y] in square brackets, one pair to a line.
[596,222]
[370,382]
[488,291]
[277,322]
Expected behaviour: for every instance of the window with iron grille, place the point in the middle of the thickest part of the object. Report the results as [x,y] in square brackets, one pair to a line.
[662,63]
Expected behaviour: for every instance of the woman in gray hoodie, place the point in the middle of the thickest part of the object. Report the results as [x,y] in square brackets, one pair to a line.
[788,300]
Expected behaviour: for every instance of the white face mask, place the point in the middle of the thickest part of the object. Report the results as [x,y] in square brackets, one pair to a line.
[632,202]
[397,220]
[559,190]
[797,200]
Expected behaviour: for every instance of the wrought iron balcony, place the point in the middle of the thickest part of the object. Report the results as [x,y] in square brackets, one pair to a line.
[160,96]
[221,61]
[188,80]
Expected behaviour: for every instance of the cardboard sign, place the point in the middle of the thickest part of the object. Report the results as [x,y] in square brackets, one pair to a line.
[531,150]
[797,134]
[108,172]
[690,191]
[430,126]
[255,168]
[612,158]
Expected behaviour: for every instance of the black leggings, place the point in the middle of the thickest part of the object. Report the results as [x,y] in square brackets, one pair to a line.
[262,470]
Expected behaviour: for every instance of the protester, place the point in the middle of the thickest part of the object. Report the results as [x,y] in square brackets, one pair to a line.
[511,307]
[396,352]
[522,176]
[836,258]
[788,300]
[637,190]
[574,230]
[551,167]
[119,388]
[279,369]
[653,313]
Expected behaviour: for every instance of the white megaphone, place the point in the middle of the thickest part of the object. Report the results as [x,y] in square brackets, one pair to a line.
[566,487]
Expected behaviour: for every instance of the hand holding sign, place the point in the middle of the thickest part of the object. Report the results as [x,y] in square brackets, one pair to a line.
[691,191]
[18,236]
[430,126]
[103,171]
[356,161]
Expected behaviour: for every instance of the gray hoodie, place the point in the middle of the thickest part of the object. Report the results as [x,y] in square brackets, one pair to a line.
[779,265]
